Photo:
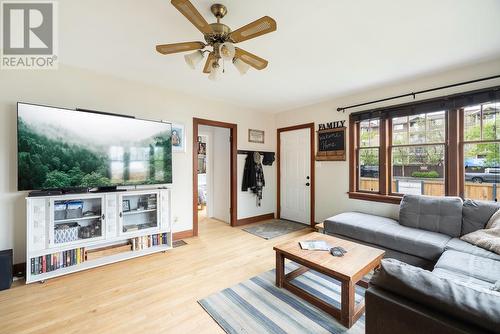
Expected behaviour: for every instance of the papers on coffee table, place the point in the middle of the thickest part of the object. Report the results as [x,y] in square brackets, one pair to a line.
[315,245]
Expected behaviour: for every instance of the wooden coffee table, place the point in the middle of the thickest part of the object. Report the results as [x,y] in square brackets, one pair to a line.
[349,270]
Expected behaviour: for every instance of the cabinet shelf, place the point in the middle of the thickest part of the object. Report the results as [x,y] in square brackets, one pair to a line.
[43,229]
[76,219]
[135,212]
[99,262]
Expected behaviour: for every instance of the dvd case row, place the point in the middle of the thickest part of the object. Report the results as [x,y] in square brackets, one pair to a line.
[149,241]
[50,262]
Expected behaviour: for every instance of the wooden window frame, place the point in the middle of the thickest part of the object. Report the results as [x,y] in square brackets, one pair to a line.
[461,146]
[453,145]
[381,155]
[454,170]
[383,194]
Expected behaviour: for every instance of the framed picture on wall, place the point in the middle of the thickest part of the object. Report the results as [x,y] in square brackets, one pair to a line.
[256,136]
[178,138]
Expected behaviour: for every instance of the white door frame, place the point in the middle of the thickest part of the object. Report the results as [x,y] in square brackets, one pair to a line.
[309,126]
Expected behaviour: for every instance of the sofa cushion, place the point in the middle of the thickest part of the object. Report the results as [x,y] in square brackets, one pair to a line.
[473,305]
[458,277]
[475,214]
[470,265]
[388,233]
[435,214]
[465,247]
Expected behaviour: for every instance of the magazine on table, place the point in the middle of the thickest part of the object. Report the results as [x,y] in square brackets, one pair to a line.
[315,245]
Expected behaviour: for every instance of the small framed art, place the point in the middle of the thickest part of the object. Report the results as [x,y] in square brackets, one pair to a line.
[256,136]
[178,138]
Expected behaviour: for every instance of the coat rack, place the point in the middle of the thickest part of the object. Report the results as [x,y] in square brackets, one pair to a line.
[250,151]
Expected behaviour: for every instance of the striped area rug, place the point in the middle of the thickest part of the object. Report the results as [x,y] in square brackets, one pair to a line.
[258,306]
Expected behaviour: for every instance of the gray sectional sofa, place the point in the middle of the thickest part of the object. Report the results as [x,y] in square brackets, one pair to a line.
[434,282]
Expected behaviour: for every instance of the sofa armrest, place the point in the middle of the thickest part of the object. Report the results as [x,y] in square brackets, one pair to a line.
[477,307]
[388,313]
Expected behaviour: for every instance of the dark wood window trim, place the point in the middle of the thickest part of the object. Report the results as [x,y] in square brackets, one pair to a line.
[454,143]
[384,194]
[382,157]
[461,144]
[384,162]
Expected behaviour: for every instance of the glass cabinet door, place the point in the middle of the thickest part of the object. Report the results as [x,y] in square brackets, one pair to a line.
[76,220]
[139,212]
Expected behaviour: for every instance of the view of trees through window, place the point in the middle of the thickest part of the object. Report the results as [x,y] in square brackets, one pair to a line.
[427,153]
[482,151]
[418,154]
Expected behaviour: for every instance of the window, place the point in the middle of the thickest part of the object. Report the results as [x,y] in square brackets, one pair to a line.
[481,151]
[368,155]
[418,154]
[444,146]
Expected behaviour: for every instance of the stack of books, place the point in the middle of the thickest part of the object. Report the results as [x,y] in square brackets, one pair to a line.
[50,262]
[147,241]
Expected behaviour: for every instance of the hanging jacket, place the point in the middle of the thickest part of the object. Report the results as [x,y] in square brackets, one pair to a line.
[268,159]
[259,178]
[253,175]
[249,174]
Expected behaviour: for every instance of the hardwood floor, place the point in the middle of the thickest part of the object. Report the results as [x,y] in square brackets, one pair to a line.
[153,294]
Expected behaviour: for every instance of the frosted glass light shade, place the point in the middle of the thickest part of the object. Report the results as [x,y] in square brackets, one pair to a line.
[227,50]
[214,73]
[193,59]
[241,66]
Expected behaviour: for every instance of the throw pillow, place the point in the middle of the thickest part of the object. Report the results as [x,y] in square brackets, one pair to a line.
[496,287]
[488,238]
[494,220]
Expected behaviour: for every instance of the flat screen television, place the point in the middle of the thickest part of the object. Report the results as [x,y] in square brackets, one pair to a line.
[63,149]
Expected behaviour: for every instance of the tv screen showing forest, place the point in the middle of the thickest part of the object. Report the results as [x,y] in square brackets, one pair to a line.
[60,148]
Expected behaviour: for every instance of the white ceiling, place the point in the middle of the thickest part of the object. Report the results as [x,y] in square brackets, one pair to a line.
[322,48]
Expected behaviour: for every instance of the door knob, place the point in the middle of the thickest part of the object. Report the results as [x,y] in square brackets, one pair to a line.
[308,184]
[307,177]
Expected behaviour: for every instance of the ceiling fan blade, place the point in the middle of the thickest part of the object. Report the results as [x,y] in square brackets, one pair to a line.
[179,47]
[251,59]
[192,14]
[208,64]
[257,28]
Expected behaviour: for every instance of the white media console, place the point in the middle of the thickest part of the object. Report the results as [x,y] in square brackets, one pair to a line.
[70,233]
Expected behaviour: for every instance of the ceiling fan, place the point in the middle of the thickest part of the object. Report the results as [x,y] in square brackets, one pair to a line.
[219,40]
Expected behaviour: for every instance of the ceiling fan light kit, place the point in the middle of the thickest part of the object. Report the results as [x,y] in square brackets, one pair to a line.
[193,59]
[215,72]
[241,66]
[219,41]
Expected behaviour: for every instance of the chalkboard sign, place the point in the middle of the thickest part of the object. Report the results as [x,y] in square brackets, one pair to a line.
[331,144]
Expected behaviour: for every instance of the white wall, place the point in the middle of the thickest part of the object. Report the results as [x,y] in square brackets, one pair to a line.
[72,87]
[332,182]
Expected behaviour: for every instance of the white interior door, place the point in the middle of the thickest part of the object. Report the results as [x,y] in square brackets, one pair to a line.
[295,172]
